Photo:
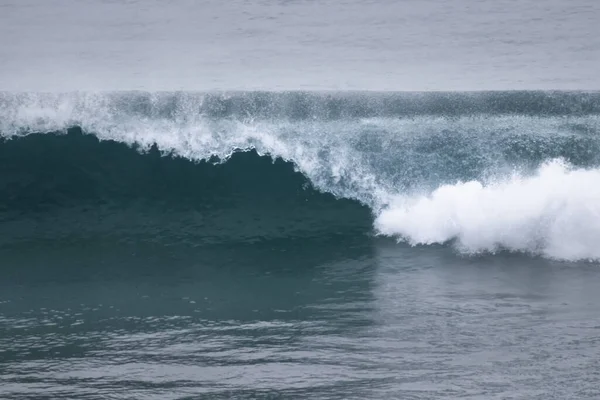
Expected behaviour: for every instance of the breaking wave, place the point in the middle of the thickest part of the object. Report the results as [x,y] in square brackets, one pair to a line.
[485,172]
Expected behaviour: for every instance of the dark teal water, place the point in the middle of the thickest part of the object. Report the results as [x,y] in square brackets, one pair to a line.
[299,245]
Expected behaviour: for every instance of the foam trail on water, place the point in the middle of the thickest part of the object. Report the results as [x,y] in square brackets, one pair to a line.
[554,213]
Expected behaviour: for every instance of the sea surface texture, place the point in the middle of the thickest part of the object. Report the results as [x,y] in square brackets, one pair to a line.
[299,199]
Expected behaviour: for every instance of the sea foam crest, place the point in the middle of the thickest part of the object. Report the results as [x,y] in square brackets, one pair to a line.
[554,213]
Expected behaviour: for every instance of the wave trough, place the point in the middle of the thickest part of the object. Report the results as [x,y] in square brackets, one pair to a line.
[515,171]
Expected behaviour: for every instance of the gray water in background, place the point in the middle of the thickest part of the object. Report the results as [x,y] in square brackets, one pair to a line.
[63,45]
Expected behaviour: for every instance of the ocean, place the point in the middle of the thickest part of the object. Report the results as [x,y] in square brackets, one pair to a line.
[298,199]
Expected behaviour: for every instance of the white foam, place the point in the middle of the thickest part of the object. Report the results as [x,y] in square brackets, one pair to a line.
[554,213]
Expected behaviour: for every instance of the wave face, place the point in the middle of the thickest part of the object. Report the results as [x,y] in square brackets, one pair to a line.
[485,172]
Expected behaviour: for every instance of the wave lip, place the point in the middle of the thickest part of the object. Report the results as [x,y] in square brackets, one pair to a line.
[554,213]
